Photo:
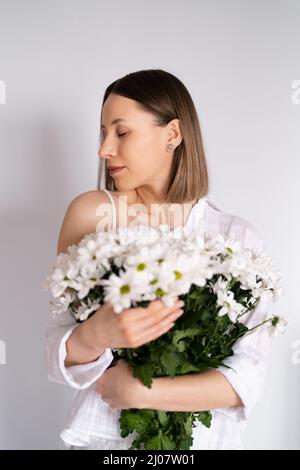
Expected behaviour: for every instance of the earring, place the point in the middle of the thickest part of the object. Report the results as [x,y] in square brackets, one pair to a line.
[170,147]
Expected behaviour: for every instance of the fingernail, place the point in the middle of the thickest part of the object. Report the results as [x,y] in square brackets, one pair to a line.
[176,314]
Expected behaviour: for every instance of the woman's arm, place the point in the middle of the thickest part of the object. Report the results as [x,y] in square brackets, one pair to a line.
[233,390]
[58,330]
[192,392]
[83,344]
[74,354]
[79,354]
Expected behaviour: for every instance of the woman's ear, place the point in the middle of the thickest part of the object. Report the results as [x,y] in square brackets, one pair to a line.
[174,133]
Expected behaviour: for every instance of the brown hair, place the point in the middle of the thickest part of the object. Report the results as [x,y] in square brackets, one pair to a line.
[165,96]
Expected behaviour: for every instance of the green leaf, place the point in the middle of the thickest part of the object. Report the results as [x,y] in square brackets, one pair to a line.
[189,332]
[135,421]
[167,443]
[155,443]
[204,417]
[170,361]
[185,443]
[163,418]
[186,367]
[181,346]
[188,425]
[144,373]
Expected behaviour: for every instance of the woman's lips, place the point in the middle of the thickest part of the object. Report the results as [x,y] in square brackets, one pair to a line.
[113,171]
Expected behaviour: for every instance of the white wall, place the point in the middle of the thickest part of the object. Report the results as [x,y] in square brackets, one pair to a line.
[239,60]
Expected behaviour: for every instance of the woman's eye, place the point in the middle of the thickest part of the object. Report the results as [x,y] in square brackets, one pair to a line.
[102,135]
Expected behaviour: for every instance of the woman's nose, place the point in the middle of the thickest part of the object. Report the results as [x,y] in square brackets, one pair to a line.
[105,152]
[100,153]
[107,147]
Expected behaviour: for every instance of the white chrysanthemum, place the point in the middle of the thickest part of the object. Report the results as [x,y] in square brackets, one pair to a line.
[89,252]
[85,309]
[257,291]
[121,290]
[164,276]
[232,246]
[277,292]
[161,262]
[219,285]
[277,326]
[62,277]
[61,304]
[90,276]
[138,235]
[201,268]
[144,254]
[175,274]
[215,243]
[229,306]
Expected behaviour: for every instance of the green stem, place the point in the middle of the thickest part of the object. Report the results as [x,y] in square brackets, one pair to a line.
[248,310]
[213,335]
[251,329]
[265,321]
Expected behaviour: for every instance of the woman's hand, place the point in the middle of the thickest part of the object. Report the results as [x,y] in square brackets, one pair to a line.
[119,388]
[134,327]
[131,328]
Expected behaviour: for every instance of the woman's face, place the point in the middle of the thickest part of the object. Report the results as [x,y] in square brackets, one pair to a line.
[138,144]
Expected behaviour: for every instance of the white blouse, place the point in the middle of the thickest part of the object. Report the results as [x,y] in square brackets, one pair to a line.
[89,418]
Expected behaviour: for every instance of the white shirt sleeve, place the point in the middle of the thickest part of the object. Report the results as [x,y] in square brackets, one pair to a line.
[249,365]
[250,361]
[81,376]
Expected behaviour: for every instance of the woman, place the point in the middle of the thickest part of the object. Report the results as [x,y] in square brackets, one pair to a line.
[151,157]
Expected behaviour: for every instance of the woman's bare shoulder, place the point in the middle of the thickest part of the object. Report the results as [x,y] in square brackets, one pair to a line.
[84,213]
[89,199]
[81,218]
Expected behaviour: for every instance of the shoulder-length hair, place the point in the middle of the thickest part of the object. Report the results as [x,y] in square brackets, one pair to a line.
[166,98]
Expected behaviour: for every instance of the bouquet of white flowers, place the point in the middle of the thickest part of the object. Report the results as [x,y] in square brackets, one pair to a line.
[220,282]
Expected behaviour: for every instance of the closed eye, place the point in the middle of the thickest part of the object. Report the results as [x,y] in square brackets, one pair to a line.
[102,136]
